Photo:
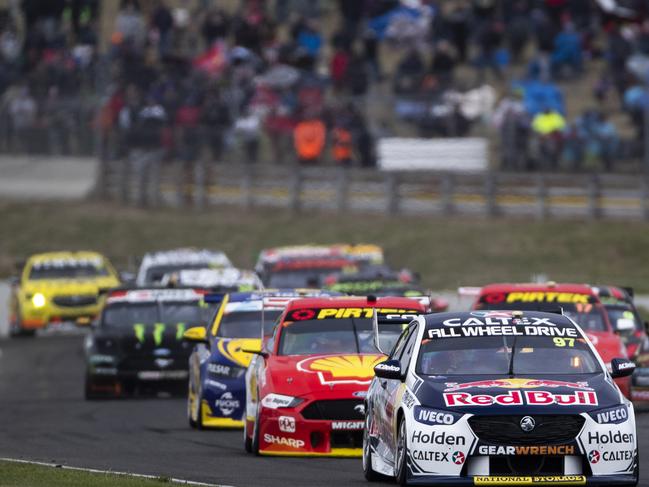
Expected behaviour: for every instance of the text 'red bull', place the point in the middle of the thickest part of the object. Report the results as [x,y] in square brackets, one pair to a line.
[519,398]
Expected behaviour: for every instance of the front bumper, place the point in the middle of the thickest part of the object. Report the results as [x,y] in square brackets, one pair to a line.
[223,403]
[565,480]
[36,318]
[284,432]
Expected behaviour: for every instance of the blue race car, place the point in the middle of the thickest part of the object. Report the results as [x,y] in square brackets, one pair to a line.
[218,363]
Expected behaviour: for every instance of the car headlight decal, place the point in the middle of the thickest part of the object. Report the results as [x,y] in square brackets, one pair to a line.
[274,401]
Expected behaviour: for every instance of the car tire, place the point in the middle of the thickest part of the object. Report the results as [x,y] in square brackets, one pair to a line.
[254,443]
[401,455]
[190,420]
[88,394]
[370,474]
[17,331]
[247,440]
[198,404]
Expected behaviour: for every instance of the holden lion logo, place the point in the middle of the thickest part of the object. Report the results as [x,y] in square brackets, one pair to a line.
[593,456]
[458,458]
[341,369]
[360,409]
[528,424]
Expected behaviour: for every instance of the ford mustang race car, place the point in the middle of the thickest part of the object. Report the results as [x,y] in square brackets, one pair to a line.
[308,265]
[305,393]
[137,346]
[156,265]
[56,287]
[218,363]
[623,315]
[499,398]
[578,301]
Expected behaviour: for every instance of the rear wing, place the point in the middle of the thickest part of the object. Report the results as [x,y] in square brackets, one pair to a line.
[394,324]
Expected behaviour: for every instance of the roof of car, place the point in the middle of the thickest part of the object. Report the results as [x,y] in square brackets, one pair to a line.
[356,302]
[66,255]
[538,287]
[152,295]
[497,318]
[187,255]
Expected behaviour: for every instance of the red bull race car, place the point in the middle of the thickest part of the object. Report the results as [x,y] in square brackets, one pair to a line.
[499,398]
[578,301]
[305,393]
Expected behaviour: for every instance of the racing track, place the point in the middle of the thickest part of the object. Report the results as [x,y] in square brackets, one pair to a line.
[44,417]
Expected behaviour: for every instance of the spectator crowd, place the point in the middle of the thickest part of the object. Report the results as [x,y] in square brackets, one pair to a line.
[317,82]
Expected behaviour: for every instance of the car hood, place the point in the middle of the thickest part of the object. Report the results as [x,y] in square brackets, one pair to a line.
[231,350]
[549,394]
[338,374]
[70,286]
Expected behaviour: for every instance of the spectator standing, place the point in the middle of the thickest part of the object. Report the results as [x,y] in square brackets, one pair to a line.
[23,112]
[130,27]
[309,138]
[548,127]
[162,23]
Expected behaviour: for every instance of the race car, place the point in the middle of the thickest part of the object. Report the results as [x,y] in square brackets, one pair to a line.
[137,346]
[499,398]
[229,279]
[218,363]
[623,315]
[156,265]
[578,301]
[308,265]
[305,395]
[56,287]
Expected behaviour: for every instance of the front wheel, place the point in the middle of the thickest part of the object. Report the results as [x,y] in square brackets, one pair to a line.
[370,474]
[254,444]
[247,440]
[400,467]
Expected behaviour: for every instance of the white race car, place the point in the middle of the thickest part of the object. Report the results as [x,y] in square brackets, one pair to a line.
[498,398]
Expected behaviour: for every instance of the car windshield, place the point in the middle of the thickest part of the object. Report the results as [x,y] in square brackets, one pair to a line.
[299,278]
[155,274]
[312,337]
[491,355]
[172,313]
[68,270]
[623,318]
[245,324]
[589,316]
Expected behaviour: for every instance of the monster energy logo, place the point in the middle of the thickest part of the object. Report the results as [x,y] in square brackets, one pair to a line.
[158,332]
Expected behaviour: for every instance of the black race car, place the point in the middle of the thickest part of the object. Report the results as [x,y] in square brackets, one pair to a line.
[137,345]
[498,398]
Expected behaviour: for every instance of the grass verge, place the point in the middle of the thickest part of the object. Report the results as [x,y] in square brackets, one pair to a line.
[446,251]
[27,475]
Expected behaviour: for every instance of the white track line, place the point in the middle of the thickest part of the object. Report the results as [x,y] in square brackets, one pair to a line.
[112,472]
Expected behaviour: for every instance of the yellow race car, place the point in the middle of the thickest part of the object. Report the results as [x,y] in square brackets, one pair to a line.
[57,287]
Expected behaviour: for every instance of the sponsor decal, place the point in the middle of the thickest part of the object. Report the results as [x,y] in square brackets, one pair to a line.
[458,329]
[286,424]
[360,394]
[347,425]
[536,480]
[388,367]
[517,383]
[536,297]
[227,404]
[282,440]
[526,450]
[214,383]
[163,363]
[625,366]
[609,437]
[274,401]
[458,458]
[435,438]
[430,456]
[518,398]
[433,418]
[341,369]
[594,456]
[615,415]
[408,399]
[360,409]
[219,369]
[341,313]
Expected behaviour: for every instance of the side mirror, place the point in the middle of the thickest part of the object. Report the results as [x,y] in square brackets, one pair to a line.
[255,351]
[389,369]
[196,334]
[621,367]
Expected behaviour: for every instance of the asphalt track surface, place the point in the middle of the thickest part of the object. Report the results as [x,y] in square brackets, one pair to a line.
[44,417]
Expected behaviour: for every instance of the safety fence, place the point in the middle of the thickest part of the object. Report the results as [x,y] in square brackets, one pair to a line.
[343,190]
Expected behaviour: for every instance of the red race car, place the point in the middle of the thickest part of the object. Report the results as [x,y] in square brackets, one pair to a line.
[305,393]
[577,301]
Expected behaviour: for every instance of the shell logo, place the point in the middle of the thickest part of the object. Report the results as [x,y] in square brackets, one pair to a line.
[341,369]
[233,349]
